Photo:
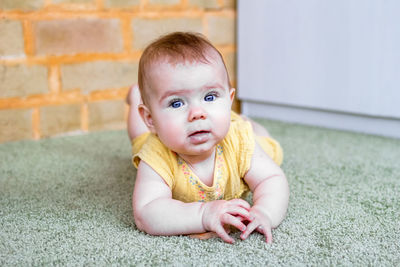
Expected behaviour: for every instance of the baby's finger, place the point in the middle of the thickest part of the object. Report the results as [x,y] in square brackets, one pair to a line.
[267,232]
[242,219]
[224,235]
[234,221]
[240,202]
[249,229]
[236,210]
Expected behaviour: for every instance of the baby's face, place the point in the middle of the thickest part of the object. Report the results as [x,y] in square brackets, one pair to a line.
[190,105]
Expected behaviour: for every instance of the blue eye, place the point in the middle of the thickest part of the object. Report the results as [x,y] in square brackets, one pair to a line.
[176,103]
[209,97]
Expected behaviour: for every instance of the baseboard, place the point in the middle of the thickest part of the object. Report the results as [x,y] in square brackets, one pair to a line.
[389,127]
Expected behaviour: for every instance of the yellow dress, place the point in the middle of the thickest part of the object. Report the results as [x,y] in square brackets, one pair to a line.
[232,160]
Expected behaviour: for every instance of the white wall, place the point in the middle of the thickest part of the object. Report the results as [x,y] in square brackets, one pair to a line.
[335,57]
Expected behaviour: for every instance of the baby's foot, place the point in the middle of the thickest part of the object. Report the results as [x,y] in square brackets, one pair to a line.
[208,235]
[204,236]
[136,126]
[133,97]
[257,128]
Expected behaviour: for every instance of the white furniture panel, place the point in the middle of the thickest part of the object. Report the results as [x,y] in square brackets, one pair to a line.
[332,56]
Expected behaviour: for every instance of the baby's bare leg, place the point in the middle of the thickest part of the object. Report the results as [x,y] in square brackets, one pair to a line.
[136,125]
[257,128]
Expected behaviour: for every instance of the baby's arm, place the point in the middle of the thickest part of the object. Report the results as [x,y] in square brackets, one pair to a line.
[157,213]
[270,194]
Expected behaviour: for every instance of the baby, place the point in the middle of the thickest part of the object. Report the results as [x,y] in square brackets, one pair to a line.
[195,158]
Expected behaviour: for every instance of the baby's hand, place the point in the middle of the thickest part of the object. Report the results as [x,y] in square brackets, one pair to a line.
[220,212]
[261,223]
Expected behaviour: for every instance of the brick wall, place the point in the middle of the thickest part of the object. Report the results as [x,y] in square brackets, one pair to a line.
[66,65]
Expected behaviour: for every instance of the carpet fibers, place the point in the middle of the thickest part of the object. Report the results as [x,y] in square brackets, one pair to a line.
[67,201]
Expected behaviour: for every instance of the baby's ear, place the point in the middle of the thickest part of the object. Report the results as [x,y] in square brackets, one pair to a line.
[147,118]
[232,93]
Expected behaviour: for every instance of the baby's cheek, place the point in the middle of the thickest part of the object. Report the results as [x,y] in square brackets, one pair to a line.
[174,131]
[223,123]
[172,134]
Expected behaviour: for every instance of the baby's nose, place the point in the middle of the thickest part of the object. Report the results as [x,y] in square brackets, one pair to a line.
[197,113]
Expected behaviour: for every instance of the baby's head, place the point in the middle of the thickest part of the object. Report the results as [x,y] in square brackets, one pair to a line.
[186,93]
[176,48]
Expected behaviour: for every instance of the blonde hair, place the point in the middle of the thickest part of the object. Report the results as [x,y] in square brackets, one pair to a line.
[174,48]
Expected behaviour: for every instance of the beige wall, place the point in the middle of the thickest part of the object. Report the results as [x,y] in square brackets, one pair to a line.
[66,65]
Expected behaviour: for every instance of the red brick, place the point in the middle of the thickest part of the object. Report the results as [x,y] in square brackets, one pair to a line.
[107,115]
[71,36]
[121,3]
[15,125]
[146,30]
[230,61]
[98,75]
[22,80]
[24,5]
[208,4]
[73,1]
[59,119]
[221,30]
[164,2]
[12,39]
[229,3]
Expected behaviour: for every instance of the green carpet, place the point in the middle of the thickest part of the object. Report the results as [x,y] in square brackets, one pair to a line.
[67,201]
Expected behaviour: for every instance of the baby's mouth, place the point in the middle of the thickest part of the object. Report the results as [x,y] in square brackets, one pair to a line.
[199,137]
[198,133]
